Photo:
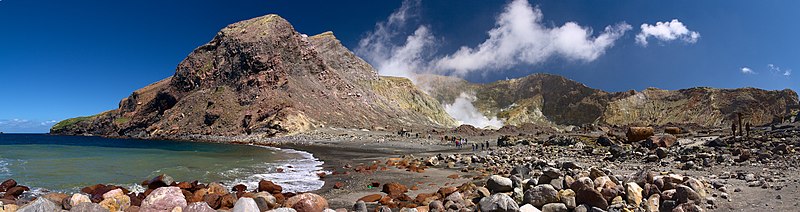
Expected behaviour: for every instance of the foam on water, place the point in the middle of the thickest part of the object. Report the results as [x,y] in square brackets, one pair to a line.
[299,175]
[4,171]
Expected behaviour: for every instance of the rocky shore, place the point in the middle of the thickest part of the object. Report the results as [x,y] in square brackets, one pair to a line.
[589,169]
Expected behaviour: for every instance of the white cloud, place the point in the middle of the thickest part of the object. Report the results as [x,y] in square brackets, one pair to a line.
[520,37]
[25,125]
[465,112]
[378,47]
[746,70]
[667,31]
[778,70]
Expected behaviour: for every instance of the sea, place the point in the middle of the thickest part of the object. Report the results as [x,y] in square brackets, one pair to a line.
[51,163]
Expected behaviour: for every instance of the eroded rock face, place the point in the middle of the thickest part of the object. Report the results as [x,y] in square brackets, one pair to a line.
[260,76]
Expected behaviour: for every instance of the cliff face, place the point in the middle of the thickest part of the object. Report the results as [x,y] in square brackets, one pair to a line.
[261,77]
[550,99]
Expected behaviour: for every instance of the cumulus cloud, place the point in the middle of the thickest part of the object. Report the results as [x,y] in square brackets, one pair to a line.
[746,70]
[667,31]
[521,37]
[378,47]
[465,112]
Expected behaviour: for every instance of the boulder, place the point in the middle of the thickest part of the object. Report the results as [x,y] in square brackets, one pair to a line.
[245,204]
[394,189]
[454,201]
[528,208]
[216,188]
[555,207]
[684,194]
[40,204]
[10,208]
[88,207]
[112,193]
[652,203]
[665,141]
[567,196]
[14,192]
[498,202]
[307,202]
[78,199]
[635,134]
[360,206]
[371,198]
[213,200]
[497,183]
[282,210]
[198,207]
[228,200]
[163,199]
[118,202]
[590,197]
[633,193]
[159,181]
[10,183]
[58,198]
[436,205]
[269,186]
[265,204]
[540,195]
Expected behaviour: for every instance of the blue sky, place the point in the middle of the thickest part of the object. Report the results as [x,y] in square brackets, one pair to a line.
[62,59]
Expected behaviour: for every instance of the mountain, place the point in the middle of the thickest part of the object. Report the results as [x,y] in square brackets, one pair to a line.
[261,77]
[548,99]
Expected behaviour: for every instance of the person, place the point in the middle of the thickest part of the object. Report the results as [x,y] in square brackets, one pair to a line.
[482,147]
[487,144]
[733,129]
[747,129]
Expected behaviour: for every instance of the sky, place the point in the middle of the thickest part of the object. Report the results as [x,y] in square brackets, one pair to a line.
[62,59]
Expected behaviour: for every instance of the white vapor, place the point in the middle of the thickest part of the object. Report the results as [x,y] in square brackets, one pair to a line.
[520,37]
[667,31]
[378,48]
[466,113]
[746,70]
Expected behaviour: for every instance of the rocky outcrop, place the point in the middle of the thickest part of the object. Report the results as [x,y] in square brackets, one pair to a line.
[261,77]
[547,99]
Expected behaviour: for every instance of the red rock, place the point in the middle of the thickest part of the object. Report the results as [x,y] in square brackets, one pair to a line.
[371,198]
[453,176]
[90,189]
[394,189]
[446,191]
[269,186]
[239,187]
[184,185]
[228,200]
[307,202]
[10,183]
[14,192]
[338,185]
[212,200]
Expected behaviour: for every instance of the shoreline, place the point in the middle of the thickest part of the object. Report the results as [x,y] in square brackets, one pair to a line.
[728,173]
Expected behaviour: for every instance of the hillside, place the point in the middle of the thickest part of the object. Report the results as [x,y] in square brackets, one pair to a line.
[548,99]
[261,77]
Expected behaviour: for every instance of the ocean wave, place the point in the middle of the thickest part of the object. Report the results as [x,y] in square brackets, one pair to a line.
[298,175]
[4,171]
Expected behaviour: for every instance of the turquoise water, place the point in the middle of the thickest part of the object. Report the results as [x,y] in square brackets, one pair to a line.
[68,163]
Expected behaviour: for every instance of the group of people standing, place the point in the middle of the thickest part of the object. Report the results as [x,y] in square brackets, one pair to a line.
[460,142]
